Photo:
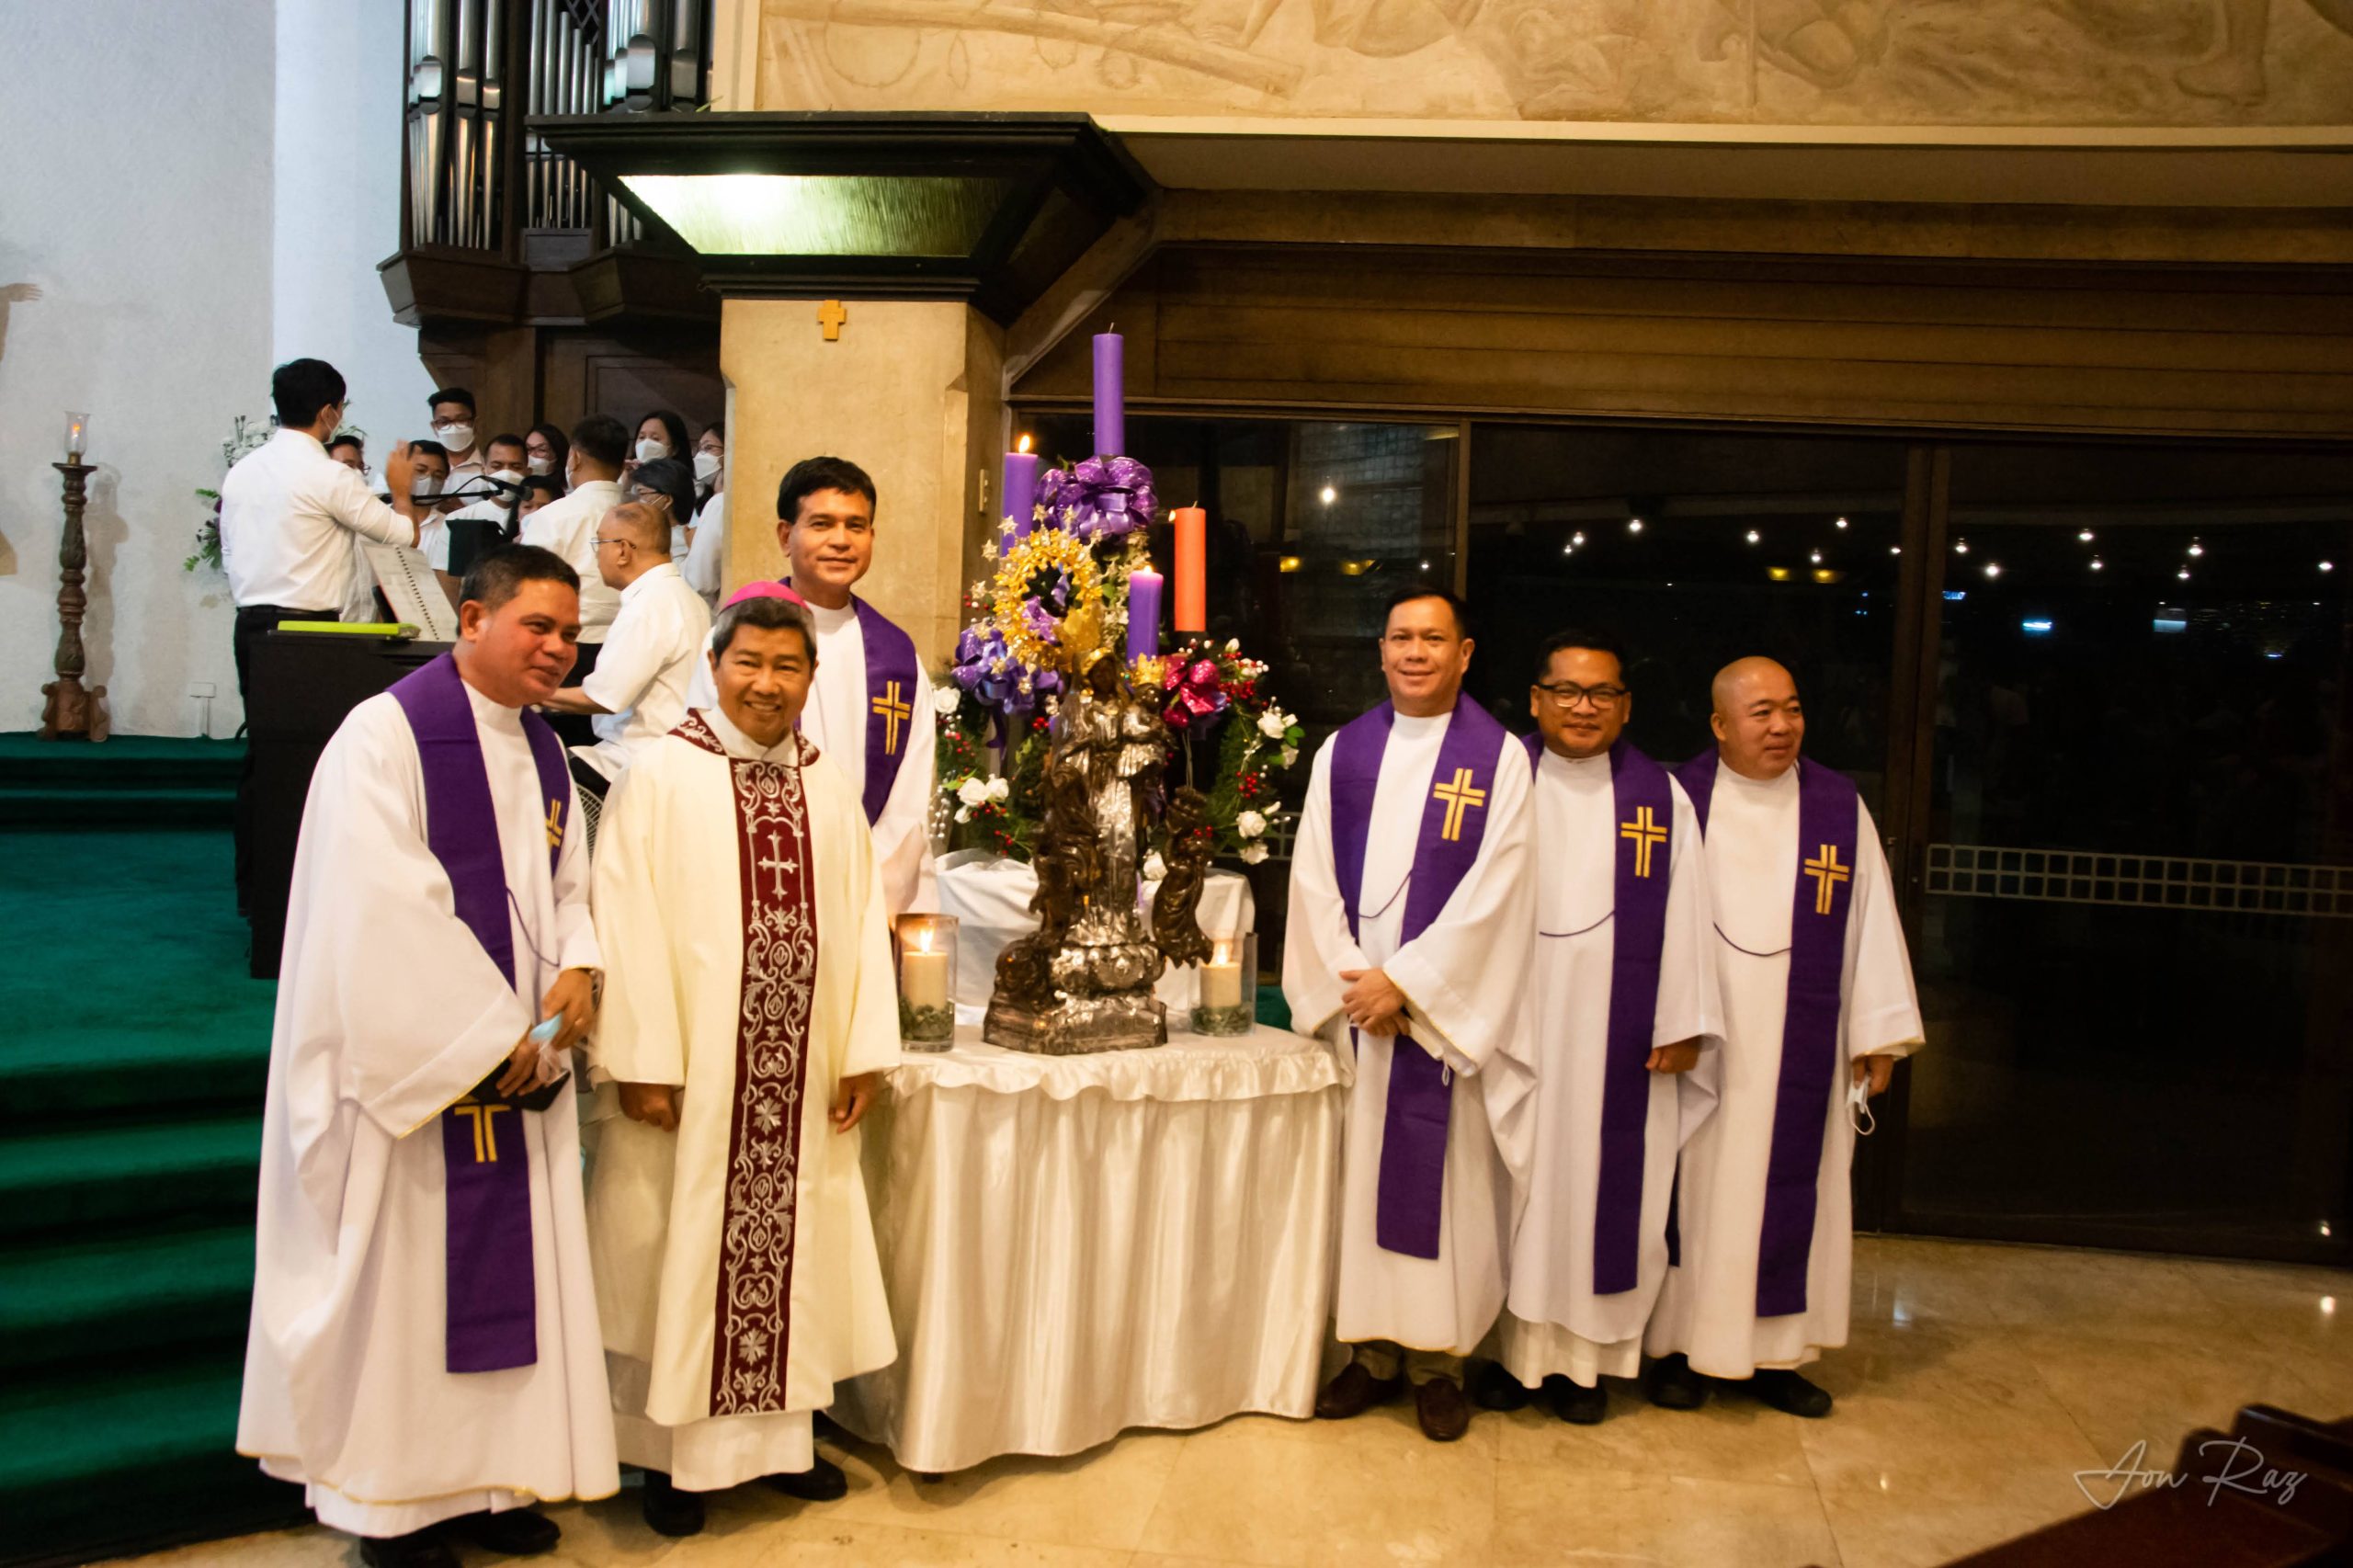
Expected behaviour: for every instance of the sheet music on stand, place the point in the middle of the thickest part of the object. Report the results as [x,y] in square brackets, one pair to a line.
[413,590]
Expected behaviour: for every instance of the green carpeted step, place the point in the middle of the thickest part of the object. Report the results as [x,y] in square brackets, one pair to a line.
[95,1462]
[63,1074]
[120,761]
[77,806]
[120,1298]
[67,1179]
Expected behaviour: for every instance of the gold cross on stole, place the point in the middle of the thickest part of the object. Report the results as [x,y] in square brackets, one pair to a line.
[485,1129]
[830,320]
[555,824]
[1828,873]
[1457,795]
[1646,832]
[896,711]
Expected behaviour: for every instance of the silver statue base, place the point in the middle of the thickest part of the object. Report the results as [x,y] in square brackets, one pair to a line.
[1078,1025]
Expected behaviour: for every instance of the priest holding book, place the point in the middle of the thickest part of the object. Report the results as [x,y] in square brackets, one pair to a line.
[1412,914]
[750,1006]
[424,1354]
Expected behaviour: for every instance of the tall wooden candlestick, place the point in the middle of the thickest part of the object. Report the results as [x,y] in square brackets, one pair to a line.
[72,711]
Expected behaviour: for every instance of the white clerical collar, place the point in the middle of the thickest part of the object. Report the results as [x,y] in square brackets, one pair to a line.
[1408,726]
[667,568]
[1571,767]
[831,619]
[493,715]
[1725,774]
[740,744]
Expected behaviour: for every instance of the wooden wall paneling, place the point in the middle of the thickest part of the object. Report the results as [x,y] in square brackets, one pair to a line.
[629,376]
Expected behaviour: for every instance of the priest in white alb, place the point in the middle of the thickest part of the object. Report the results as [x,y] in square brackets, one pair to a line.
[1818,1004]
[424,1354]
[749,1007]
[1623,1005]
[1412,914]
[869,710]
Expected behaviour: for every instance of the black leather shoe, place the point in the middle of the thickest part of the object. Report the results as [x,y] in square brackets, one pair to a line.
[423,1549]
[1439,1407]
[514,1532]
[1354,1391]
[1673,1385]
[1577,1405]
[1787,1392]
[1492,1388]
[669,1511]
[822,1482]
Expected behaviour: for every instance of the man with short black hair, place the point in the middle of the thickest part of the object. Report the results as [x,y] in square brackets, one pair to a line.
[453,425]
[749,1012]
[1623,1006]
[430,470]
[424,1354]
[350,451]
[1412,914]
[869,709]
[568,527]
[291,520]
[638,690]
[483,522]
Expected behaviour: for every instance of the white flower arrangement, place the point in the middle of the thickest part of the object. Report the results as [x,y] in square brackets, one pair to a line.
[1250,824]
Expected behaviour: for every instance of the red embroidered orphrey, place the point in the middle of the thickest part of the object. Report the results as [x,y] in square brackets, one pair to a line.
[756,1222]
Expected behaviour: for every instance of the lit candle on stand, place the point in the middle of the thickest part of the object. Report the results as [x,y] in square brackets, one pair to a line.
[77,433]
[1192,569]
[1110,395]
[926,980]
[1021,487]
[1144,586]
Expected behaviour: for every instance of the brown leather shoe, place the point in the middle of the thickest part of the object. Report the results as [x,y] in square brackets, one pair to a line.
[1445,1415]
[1354,1391]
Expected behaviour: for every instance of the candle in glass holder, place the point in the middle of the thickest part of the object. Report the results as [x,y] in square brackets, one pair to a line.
[927,979]
[77,432]
[1192,526]
[1222,978]
[1229,986]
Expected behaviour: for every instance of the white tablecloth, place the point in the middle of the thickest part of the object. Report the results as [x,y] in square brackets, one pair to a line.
[1077,1244]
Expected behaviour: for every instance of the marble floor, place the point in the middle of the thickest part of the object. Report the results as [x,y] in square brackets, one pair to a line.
[1979,1379]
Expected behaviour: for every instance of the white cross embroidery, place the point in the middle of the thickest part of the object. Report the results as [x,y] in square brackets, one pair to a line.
[777,863]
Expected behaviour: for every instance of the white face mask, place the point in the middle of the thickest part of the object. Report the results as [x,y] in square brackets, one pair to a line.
[457,437]
[507,476]
[649,450]
[706,467]
[426,487]
[1859,1108]
[541,465]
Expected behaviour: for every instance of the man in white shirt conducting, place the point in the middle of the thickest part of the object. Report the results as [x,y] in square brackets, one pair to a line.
[291,518]
[638,690]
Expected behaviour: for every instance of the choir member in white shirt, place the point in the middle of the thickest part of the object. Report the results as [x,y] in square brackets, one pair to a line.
[592,480]
[484,521]
[453,427]
[546,450]
[704,561]
[1412,916]
[638,690]
[291,518]
[1626,1017]
[424,1355]
[749,1011]
[1818,1004]
[870,707]
[429,479]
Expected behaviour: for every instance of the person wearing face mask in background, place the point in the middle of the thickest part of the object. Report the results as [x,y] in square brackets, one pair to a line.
[545,451]
[660,434]
[429,479]
[485,522]
[1818,1004]
[705,562]
[453,427]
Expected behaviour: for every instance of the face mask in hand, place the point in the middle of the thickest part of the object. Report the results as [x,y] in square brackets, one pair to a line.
[649,449]
[457,437]
[1859,1108]
[706,467]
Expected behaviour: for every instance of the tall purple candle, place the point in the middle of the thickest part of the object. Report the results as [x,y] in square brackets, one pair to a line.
[1021,488]
[1110,395]
[1143,613]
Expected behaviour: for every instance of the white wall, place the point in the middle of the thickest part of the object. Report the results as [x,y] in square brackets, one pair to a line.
[159,176]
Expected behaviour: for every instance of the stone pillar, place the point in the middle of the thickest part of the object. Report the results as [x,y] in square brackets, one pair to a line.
[912,391]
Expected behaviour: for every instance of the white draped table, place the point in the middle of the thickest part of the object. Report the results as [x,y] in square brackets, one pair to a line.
[1077,1244]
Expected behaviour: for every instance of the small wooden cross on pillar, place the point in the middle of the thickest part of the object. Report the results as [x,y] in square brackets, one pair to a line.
[830,316]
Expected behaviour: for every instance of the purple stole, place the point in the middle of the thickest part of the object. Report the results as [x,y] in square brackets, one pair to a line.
[890,715]
[759,1213]
[1645,817]
[1811,1057]
[1454,824]
[491,1317]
